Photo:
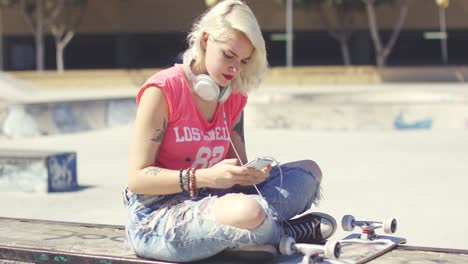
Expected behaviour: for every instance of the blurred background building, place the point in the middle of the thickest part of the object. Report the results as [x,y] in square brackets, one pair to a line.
[151,33]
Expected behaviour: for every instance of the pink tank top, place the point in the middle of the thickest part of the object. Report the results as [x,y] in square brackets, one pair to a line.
[190,140]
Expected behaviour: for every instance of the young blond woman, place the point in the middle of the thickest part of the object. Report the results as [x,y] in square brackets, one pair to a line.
[188,195]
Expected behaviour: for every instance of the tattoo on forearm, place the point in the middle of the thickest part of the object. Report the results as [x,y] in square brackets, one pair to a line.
[152,171]
[239,128]
[160,132]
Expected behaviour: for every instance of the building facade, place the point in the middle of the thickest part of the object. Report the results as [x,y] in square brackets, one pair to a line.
[151,33]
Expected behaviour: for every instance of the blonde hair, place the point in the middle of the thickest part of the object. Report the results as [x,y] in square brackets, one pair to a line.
[220,21]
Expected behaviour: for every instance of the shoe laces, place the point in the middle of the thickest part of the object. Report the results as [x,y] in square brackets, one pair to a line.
[303,231]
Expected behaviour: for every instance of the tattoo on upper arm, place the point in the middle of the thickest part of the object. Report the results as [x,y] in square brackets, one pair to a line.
[160,132]
[239,128]
[153,171]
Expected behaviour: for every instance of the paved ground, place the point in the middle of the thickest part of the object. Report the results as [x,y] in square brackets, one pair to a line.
[419,177]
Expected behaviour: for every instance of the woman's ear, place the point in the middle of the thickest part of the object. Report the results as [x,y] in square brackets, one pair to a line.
[204,41]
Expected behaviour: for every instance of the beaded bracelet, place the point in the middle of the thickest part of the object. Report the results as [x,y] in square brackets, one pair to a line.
[187,179]
[182,181]
[193,185]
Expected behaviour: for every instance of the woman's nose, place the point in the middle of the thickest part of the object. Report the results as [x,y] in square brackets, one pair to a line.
[235,67]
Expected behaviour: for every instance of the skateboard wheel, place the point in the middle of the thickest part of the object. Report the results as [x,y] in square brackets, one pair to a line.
[332,249]
[286,245]
[390,226]
[347,222]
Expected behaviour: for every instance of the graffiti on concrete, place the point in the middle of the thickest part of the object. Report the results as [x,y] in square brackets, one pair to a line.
[121,112]
[66,119]
[59,234]
[40,172]
[400,123]
[62,172]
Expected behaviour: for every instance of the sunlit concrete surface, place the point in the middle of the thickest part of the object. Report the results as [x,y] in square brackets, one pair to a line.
[418,176]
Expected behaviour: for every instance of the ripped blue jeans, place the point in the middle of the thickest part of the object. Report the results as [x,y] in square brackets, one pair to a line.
[194,234]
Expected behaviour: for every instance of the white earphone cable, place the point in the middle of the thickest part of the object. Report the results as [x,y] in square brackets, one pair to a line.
[255,186]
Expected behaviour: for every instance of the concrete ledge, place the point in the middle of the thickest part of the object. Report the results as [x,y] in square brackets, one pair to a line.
[297,76]
[304,76]
[449,74]
[37,171]
[48,118]
[374,109]
[86,79]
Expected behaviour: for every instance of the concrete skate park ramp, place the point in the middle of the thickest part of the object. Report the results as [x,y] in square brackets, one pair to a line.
[26,110]
[372,107]
[367,104]
[360,107]
[48,118]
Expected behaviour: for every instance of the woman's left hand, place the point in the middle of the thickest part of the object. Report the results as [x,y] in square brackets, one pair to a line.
[255,176]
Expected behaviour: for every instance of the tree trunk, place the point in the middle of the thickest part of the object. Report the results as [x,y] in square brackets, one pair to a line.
[403,5]
[39,36]
[39,17]
[39,40]
[345,51]
[63,28]
[1,39]
[61,42]
[374,31]
[340,35]
[289,33]
[59,50]
[382,52]
[381,60]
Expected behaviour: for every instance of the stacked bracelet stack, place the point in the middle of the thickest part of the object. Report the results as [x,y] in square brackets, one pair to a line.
[187,181]
[192,184]
[183,181]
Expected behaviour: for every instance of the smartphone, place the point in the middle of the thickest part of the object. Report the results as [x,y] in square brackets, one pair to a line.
[259,163]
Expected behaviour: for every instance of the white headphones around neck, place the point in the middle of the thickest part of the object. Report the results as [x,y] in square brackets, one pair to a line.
[207,88]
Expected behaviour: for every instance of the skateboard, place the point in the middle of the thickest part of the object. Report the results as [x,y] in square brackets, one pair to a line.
[355,248]
[367,245]
[312,253]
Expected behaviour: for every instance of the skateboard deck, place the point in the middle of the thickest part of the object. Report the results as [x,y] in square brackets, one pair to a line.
[353,250]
